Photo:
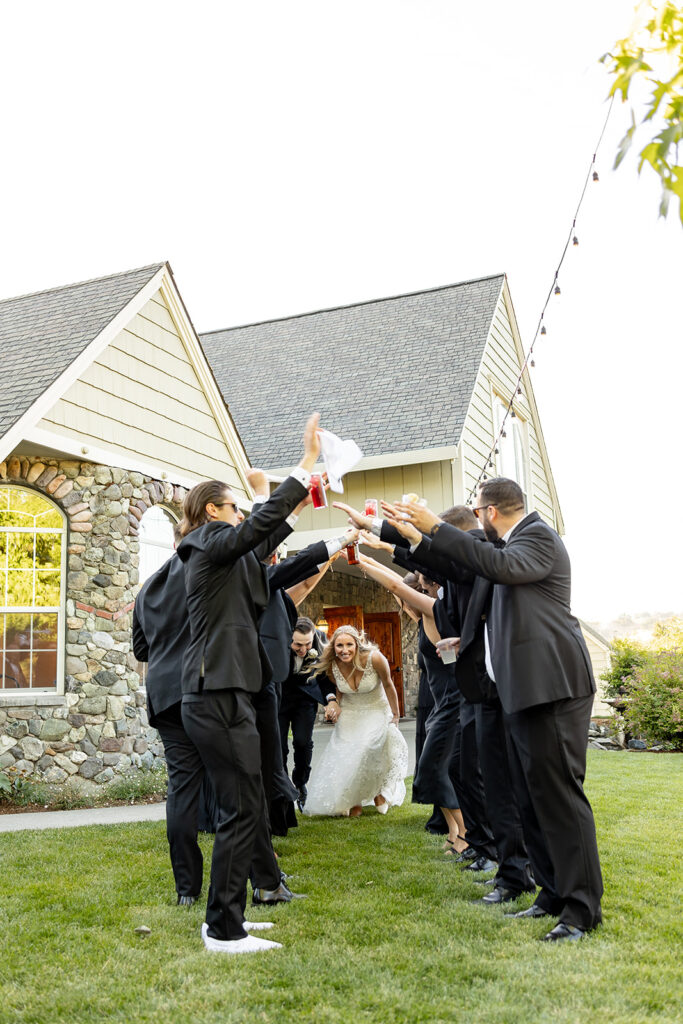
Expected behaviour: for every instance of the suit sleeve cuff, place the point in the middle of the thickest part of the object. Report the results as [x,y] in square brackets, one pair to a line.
[302,475]
[376,526]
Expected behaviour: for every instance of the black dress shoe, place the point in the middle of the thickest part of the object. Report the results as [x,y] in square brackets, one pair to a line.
[301,799]
[467,855]
[485,881]
[481,863]
[186,901]
[499,895]
[533,911]
[564,933]
[267,897]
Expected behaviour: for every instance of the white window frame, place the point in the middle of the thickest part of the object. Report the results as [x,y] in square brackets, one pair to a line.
[517,440]
[58,690]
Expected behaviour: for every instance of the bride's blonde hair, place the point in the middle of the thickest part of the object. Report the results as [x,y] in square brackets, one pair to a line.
[363,646]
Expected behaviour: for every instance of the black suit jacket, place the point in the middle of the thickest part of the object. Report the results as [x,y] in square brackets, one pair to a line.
[227,592]
[161,633]
[537,648]
[280,615]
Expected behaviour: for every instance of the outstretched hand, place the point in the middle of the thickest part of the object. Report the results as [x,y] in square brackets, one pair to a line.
[397,519]
[311,442]
[420,517]
[357,518]
[258,481]
[371,541]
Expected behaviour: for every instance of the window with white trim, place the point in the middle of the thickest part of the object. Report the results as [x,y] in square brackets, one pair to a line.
[511,460]
[156,539]
[32,564]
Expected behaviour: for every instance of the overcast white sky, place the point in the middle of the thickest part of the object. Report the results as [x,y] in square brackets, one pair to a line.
[287,156]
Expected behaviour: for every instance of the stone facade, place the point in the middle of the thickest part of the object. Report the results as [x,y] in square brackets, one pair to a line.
[337,589]
[97,727]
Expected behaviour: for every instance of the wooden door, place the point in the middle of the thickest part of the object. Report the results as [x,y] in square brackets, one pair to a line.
[384,629]
[349,615]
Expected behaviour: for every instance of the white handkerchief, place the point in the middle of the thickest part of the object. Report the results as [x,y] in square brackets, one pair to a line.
[339,457]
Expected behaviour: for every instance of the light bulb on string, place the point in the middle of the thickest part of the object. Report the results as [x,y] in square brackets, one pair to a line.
[532,362]
[596,176]
[543,330]
[575,240]
[557,290]
[519,390]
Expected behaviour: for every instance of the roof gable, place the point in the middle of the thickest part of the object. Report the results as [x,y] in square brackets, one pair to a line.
[395,374]
[42,334]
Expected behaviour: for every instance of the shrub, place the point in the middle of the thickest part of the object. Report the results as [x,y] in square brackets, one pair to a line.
[152,782]
[653,707]
[16,789]
[627,656]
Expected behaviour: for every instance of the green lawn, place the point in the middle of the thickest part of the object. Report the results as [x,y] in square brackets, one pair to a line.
[389,932]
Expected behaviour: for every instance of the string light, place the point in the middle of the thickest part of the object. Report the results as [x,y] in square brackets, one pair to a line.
[540,327]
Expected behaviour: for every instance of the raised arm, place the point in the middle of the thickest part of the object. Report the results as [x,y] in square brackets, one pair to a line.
[392,582]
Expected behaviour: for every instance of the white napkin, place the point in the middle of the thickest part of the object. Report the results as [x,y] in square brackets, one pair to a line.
[339,457]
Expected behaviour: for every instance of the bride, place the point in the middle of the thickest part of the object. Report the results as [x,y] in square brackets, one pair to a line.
[366,760]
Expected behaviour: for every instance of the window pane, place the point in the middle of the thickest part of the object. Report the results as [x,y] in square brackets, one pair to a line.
[25,508]
[3,587]
[20,550]
[17,632]
[48,551]
[44,669]
[3,547]
[16,668]
[45,632]
[19,588]
[47,589]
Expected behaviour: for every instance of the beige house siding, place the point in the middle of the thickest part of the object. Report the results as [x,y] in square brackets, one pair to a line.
[431,480]
[601,661]
[142,398]
[498,378]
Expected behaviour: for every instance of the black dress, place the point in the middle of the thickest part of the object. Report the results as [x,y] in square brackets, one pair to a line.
[432,783]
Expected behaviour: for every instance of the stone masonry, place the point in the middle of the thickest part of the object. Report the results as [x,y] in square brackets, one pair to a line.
[98,726]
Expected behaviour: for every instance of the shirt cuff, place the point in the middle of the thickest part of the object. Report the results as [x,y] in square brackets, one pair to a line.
[413,547]
[302,475]
[292,519]
[260,499]
[333,546]
[331,696]
[376,526]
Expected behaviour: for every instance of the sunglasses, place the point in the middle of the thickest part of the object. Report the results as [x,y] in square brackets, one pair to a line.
[220,504]
[478,509]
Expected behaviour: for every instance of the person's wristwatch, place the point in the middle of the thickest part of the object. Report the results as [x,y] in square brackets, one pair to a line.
[434,528]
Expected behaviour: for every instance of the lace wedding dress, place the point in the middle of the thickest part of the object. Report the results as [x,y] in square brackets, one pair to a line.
[366,755]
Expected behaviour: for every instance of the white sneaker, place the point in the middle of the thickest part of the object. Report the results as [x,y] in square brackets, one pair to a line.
[382,808]
[257,926]
[249,944]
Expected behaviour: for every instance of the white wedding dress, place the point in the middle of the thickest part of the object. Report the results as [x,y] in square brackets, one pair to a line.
[366,755]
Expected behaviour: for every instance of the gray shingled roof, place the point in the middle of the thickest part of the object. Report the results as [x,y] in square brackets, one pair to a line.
[41,334]
[394,374]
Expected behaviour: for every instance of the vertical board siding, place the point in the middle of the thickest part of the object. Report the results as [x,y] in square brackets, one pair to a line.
[498,376]
[431,480]
[142,397]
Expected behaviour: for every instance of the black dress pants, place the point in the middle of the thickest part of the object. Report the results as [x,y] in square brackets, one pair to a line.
[548,745]
[185,776]
[471,787]
[222,725]
[514,870]
[299,712]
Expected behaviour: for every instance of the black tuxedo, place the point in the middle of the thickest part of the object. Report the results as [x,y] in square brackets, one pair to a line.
[302,694]
[545,683]
[161,633]
[227,591]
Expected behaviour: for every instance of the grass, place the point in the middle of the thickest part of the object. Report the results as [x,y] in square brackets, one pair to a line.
[388,934]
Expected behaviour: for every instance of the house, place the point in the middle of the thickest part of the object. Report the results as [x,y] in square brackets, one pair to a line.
[110,412]
[422,382]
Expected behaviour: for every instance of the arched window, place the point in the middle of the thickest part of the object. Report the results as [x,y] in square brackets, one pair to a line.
[156,539]
[32,560]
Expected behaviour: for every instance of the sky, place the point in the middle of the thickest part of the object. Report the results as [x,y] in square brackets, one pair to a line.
[287,156]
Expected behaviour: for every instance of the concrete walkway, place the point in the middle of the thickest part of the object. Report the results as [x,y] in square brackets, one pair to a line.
[156,812]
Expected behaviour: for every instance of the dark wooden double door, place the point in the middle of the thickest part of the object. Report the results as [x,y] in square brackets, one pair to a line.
[383,628]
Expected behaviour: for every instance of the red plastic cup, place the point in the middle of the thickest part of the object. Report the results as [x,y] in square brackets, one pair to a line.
[371,507]
[352,554]
[317,490]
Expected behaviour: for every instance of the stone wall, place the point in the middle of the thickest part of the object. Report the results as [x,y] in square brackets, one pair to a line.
[97,727]
[338,589]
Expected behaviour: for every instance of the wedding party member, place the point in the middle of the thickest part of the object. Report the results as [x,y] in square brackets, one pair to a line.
[161,633]
[537,656]
[366,759]
[227,591]
[432,783]
[301,697]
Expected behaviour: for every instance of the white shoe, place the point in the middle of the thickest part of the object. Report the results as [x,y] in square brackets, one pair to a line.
[257,926]
[382,808]
[249,944]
